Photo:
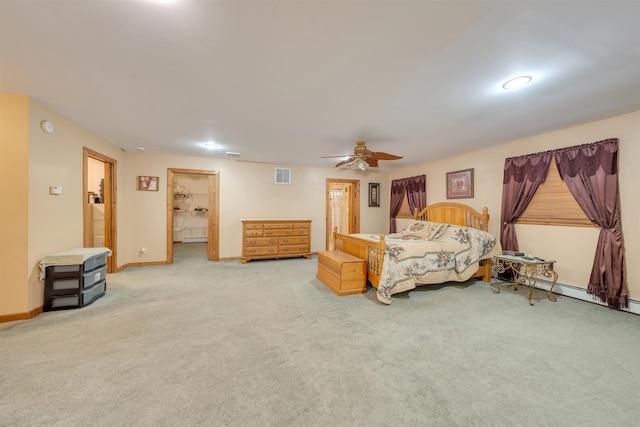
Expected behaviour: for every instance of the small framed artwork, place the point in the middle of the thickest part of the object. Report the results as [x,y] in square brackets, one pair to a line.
[148,183]
[374,195]
[460,184]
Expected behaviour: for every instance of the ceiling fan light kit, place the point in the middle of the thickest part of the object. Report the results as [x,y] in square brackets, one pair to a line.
[363,157]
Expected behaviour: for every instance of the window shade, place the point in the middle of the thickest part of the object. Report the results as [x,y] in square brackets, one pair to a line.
[553,204]
[405,210]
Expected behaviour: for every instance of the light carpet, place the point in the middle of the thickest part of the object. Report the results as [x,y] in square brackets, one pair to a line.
[201,343]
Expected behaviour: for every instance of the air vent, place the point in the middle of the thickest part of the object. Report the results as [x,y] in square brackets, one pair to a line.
[283,176]
[232,154]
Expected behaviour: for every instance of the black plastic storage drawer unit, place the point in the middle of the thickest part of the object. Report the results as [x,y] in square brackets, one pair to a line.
[75,285]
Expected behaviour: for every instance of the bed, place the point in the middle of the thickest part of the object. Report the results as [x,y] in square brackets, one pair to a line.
[445,242]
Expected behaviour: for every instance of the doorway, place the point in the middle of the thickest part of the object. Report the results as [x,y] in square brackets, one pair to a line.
[343,208]
[199,212]
[99,207]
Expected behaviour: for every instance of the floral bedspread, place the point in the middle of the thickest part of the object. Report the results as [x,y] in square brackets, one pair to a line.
[452,253]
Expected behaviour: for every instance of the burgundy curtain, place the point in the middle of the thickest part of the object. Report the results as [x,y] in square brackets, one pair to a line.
[591,173]
[522,177]
[416,192]
[397,193]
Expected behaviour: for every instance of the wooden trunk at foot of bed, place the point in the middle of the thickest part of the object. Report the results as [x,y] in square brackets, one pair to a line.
[445,212]
[372,252]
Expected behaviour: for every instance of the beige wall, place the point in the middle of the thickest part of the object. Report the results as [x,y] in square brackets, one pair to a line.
[56,222]
[14,157]
[572,247]
[38,223]
[247,190]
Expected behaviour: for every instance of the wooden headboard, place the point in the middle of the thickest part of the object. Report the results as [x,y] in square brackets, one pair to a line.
[454,213]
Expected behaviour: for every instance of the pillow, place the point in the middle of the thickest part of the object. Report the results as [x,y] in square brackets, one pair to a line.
[425,229]
[437,230]
[416,227]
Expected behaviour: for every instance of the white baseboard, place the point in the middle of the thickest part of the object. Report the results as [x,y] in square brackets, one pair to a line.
[581,294]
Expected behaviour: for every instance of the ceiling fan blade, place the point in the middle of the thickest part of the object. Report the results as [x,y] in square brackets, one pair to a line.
[371,162]
[346,162]
[363,154]
[385,156]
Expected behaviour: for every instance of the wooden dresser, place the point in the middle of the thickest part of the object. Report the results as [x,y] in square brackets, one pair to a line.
[275,238]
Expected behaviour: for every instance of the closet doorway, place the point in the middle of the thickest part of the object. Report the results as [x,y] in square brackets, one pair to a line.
[343,208]
[192,209]
[99,204]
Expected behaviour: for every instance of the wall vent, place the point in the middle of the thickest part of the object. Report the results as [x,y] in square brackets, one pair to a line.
[283,176]
[232,154]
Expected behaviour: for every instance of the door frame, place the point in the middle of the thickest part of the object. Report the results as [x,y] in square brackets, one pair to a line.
[213,217]
[354,213]
[110,205]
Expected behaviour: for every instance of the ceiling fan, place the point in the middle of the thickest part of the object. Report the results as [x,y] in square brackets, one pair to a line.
[362,157]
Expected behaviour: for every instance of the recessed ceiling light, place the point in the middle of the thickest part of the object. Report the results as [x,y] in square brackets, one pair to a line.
[210,145]
[517,82]
[163,1]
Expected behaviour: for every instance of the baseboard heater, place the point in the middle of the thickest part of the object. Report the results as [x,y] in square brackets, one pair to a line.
[577,292]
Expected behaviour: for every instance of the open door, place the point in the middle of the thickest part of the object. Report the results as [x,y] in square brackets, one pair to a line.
[343,208]
[99,204]
[212,200]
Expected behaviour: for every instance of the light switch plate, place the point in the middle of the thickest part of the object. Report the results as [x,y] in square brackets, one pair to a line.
[55,189]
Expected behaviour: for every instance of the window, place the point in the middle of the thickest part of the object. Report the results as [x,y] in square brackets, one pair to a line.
[405,210]
[553,204]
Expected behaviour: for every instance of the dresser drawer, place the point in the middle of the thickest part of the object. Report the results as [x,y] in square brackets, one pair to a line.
[278,225]
[294,240]
[293,249]
[261,241]
[279,232]
[253,233]
[303,225]
[253,226]
[260,250]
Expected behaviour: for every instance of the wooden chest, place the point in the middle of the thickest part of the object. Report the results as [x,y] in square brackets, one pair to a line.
[343,273]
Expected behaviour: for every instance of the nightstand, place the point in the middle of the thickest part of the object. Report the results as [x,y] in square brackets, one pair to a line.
[526,271]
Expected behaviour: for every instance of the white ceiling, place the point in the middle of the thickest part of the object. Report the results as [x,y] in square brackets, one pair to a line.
[288,82]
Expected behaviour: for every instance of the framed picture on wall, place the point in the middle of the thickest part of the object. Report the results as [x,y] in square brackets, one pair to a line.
[374,195]
[148,183]
[460,184]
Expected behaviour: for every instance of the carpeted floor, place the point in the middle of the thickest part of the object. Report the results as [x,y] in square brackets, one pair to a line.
[266,344]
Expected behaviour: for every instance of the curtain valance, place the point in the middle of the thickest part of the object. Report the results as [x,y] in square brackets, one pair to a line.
[532,167]
[591,174]
[588,158]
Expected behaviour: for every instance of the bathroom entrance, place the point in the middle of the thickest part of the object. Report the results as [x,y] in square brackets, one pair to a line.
[99,207]
[342,208]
